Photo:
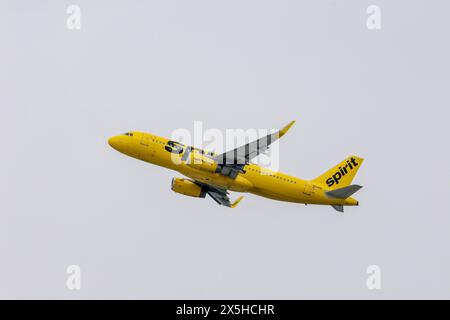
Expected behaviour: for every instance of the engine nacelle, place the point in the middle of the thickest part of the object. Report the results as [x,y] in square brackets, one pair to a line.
[201,162]
[188,188]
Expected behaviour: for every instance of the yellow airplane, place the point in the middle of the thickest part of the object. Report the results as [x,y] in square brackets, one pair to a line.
[214,175]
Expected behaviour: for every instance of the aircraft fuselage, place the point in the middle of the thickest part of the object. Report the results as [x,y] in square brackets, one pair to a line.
[254,179]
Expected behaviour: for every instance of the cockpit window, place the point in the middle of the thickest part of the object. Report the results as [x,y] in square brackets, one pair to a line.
[128,134]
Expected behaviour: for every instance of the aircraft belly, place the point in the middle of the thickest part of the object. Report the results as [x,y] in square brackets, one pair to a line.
[274,195]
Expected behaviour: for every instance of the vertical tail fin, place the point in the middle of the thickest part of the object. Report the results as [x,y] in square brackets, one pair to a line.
[340,175]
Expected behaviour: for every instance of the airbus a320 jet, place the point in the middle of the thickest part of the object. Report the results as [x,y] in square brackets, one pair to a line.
[215,174]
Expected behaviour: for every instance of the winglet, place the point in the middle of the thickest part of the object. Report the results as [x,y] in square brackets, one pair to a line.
[237,202]
[283,131]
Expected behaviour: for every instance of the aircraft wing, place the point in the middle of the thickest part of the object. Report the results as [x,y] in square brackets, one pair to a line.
[232,162]
[223,199]
[221,196]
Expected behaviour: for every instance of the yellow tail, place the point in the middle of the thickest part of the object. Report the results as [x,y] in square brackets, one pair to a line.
[340,175]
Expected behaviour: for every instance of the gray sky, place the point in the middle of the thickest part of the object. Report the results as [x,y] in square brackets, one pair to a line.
[155,66]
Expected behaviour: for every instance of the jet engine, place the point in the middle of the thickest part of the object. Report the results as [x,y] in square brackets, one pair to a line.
[188,188]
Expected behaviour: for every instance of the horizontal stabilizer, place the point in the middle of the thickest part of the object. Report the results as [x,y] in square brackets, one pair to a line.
[338,207]
[343,193]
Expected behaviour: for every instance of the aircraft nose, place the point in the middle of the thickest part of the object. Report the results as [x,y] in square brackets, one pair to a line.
[115,142]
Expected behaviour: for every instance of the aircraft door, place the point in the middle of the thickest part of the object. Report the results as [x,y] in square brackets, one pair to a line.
[147,152]
[145,140]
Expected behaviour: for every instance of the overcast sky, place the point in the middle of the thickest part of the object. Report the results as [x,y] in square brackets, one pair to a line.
[67,198]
